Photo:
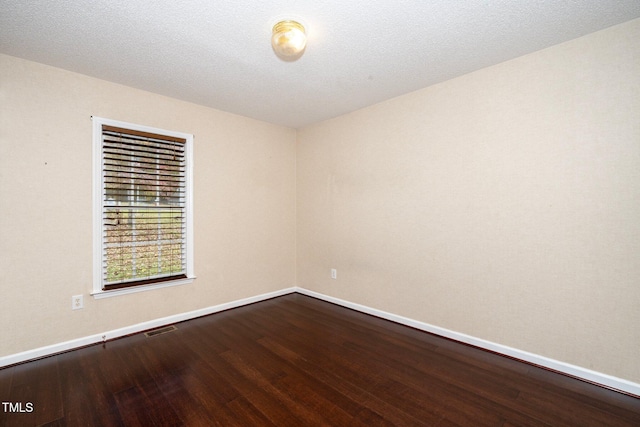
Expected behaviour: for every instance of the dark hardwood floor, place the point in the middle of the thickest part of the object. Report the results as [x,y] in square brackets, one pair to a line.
[298,361]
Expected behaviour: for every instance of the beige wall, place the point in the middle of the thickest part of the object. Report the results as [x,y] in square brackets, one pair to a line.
[244,204]
[504,204]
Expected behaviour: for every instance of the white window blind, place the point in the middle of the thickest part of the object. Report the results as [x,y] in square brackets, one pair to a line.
[143,207]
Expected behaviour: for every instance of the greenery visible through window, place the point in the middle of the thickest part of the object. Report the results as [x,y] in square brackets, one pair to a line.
[142,243]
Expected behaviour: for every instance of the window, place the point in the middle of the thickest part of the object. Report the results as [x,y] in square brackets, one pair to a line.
[142,207]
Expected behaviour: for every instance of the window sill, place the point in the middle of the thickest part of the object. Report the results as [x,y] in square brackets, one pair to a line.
[135,289]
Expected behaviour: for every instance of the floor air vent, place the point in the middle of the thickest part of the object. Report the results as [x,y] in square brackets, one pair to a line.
[159,331]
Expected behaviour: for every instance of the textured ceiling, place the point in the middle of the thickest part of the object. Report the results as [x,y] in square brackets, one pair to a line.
[217,53]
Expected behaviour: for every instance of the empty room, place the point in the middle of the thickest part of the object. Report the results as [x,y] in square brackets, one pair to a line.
[320,213]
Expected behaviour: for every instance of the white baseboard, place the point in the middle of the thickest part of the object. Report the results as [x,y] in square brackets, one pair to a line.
[116,333]
[566,368]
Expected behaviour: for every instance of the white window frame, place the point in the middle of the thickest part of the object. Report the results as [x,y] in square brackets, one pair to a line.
[98,185]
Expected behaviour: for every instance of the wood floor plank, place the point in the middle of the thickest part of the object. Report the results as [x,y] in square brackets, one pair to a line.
[340,363]
[247,414]
[145,405]
[600,397]
[199,406]
[86,386]
[31,388]
[6,379]
[299,405]
[368,406]
[296,360]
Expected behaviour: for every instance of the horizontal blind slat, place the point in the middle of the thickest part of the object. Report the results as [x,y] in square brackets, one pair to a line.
[143,206]
[142,144]
[113,130]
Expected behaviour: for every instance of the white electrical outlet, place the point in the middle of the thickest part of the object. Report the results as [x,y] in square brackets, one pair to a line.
[334,273]
[76,302]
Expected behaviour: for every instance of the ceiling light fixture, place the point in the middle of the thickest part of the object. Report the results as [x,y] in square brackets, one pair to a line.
[289,40]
